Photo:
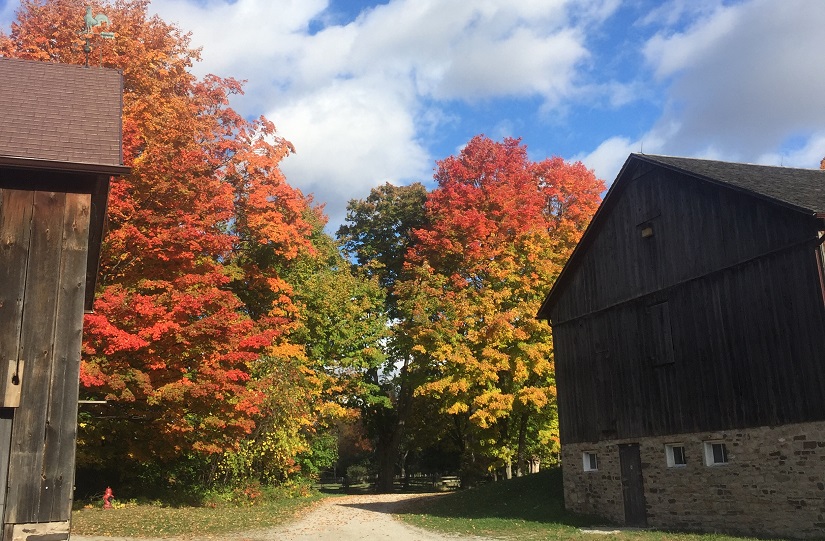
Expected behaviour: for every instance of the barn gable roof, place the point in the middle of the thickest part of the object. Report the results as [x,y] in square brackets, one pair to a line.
[60,117]
[802,190]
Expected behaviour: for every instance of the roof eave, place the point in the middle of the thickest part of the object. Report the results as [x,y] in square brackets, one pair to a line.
[53,165]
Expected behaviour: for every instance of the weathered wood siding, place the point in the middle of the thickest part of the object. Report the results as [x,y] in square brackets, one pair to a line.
[714,322]
[697,228]
[43,261]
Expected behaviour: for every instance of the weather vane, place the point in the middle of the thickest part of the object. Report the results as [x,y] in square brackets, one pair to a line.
[91,22]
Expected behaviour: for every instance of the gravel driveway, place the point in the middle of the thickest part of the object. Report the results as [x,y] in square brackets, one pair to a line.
[346,518]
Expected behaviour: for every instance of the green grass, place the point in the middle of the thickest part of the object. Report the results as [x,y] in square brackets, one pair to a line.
[218,517]
[529,508]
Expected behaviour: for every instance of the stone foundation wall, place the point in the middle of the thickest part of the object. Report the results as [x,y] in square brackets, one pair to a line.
[772,485]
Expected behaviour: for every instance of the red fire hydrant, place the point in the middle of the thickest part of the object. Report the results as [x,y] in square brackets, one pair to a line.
[107,498]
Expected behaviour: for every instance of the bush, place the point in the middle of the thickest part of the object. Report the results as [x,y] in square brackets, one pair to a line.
[358,473]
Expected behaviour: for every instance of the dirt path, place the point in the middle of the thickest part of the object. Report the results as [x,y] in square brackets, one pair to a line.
[352,518]
[347,518]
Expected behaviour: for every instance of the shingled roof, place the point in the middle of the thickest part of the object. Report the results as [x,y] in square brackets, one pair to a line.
[60,116]
[803,189]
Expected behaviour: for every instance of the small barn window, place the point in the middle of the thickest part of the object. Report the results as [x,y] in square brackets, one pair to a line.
[675,455]
[716,453]
[590,461]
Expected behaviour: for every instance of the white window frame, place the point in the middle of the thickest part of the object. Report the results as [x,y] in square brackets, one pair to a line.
[588,458]
[709,455]
[670,455]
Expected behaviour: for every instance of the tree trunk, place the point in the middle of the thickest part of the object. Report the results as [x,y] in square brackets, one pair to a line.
[522,443]
[386,463]
[404,464]
[390,434]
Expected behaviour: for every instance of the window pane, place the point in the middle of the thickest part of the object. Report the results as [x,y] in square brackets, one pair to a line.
[679,455]
[720,455]
[590,461]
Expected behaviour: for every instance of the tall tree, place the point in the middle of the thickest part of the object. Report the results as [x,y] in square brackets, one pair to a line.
[344,322]
[205,209]
[378,233]
[499,228]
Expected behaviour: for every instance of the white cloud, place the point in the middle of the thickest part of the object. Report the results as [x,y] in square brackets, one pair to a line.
[357,98]
[744,78]
[808,155]
[236,37]
[607,159]
[669,54]
[348,140]
[464,50]
[522,64]
[671,13]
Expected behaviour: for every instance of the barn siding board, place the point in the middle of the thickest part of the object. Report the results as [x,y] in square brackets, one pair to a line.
[5,445]
[692,217]
[69,182]
[738,361]
[37,338]
[58,471]
[15,218]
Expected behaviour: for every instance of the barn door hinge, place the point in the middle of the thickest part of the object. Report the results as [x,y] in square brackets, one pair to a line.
[14,384]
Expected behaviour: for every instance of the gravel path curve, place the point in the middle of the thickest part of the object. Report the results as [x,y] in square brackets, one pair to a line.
[345,518]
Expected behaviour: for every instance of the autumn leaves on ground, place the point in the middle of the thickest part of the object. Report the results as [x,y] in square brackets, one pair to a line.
[239,345]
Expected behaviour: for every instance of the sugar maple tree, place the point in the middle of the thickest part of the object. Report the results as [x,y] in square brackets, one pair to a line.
[190,297]
[500,228]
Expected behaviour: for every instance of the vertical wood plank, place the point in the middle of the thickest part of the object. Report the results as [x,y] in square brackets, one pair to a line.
[37,345]
[61,425]
[5,445]
[15,222]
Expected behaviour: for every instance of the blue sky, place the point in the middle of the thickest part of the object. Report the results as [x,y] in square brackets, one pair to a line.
[371,91]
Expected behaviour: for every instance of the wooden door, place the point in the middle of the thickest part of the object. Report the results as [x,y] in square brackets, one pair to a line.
[633,492]
[43,251]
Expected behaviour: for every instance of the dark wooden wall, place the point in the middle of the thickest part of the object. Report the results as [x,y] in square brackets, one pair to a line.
[43,262]
[714,322]
[697,228]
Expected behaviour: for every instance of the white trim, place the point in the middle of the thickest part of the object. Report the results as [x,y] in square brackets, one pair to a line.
[590,461]
[711,456]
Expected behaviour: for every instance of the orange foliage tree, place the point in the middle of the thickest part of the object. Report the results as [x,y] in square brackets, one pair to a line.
[500,228]
[190,294]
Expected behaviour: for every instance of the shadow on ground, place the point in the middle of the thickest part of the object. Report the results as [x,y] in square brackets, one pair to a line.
[534,498]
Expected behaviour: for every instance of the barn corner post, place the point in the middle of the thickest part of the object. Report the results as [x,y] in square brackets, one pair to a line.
[53,197]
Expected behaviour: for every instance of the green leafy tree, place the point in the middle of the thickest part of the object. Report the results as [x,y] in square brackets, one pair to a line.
[377,234]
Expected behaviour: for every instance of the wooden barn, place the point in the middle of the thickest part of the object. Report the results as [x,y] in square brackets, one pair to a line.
[60,142]
[689,333]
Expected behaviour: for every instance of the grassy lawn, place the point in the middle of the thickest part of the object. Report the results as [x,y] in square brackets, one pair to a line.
[217,517]
[528,508]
